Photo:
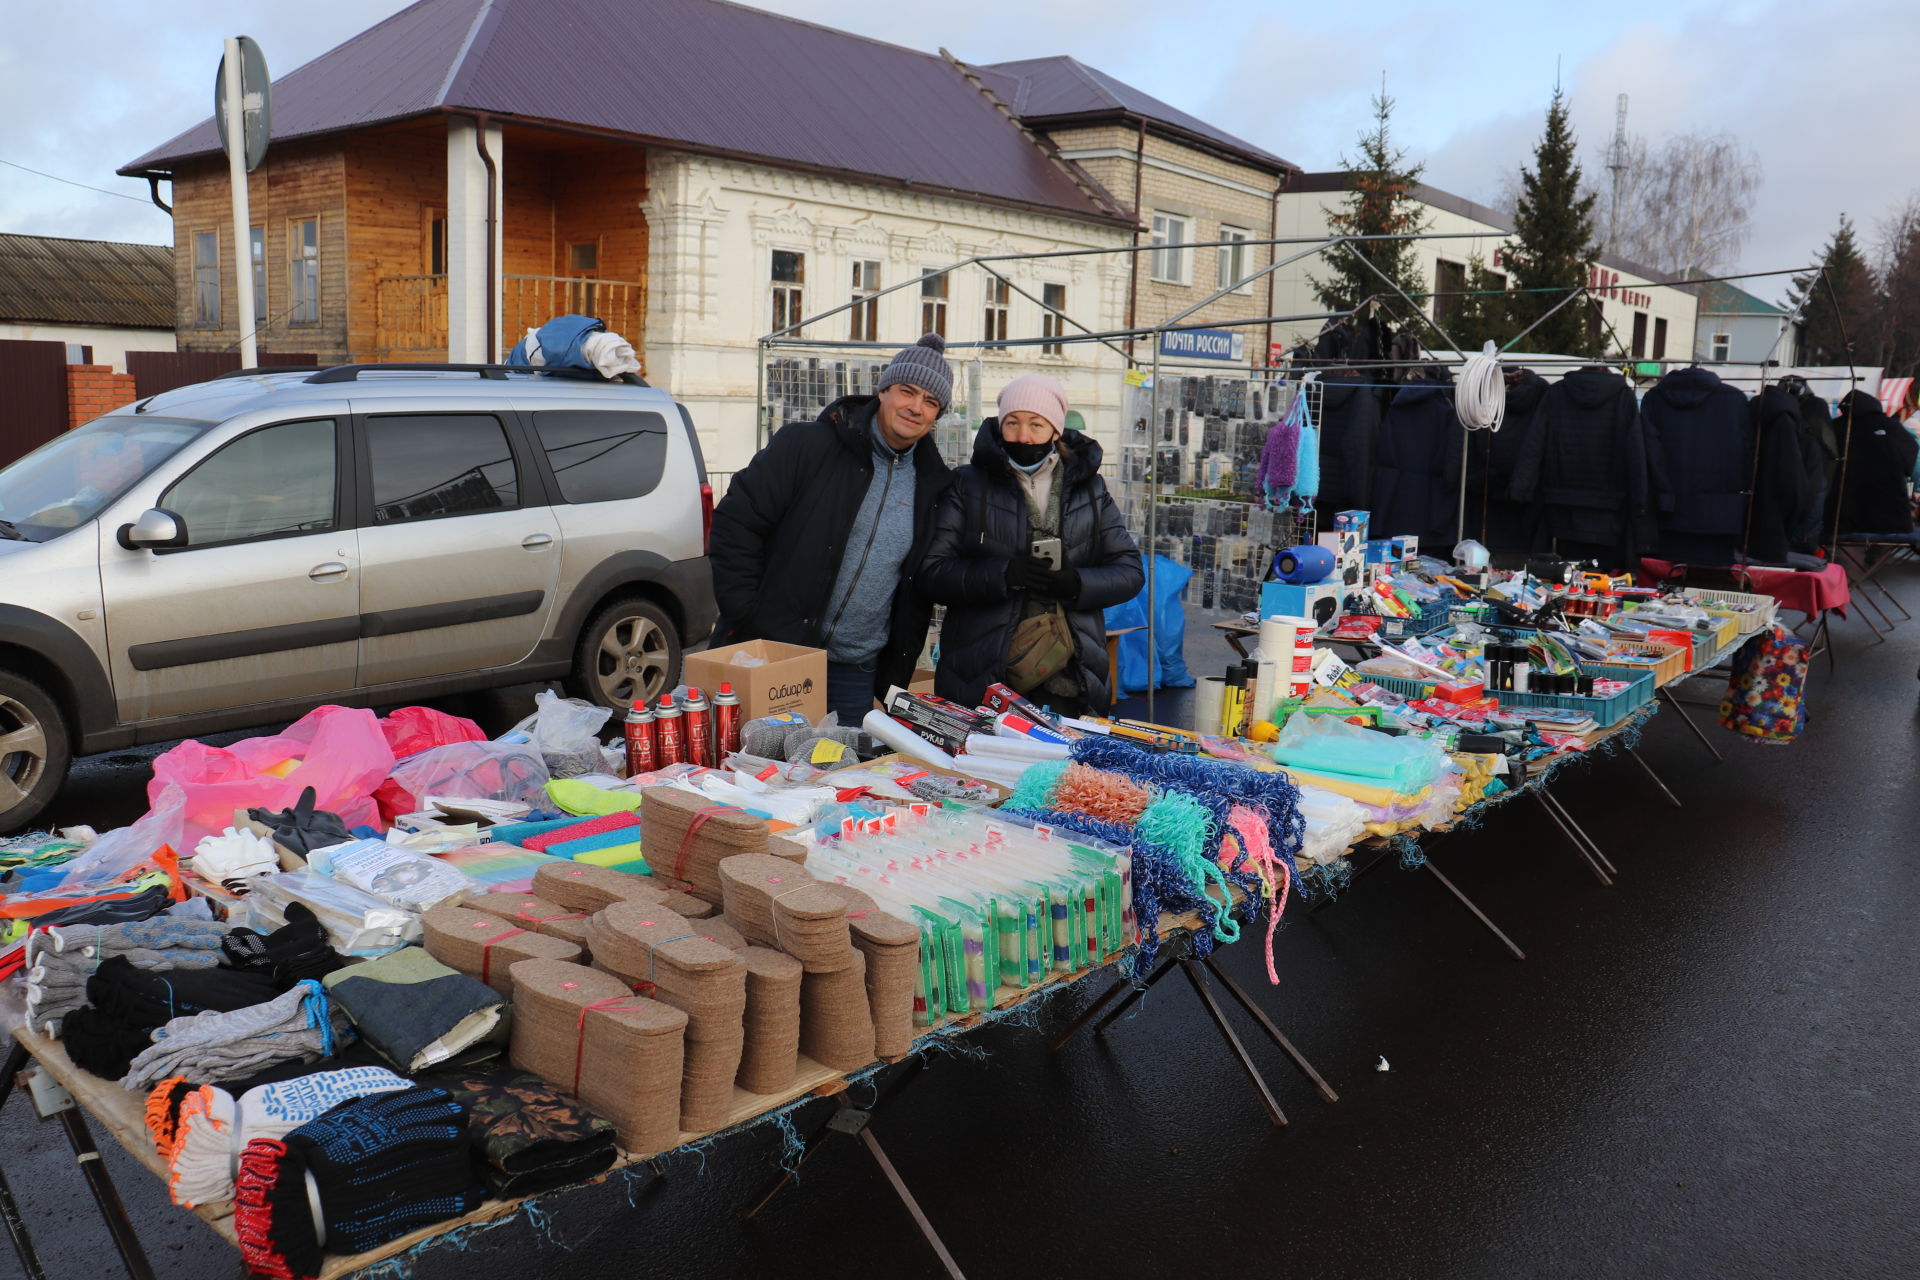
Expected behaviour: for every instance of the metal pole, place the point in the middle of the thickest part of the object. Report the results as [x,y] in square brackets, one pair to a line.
[242,223]
[760,432]
[1153,523]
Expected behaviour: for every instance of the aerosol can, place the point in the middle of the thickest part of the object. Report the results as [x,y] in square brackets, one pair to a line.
[669,735]
[699,726]
[641,755]
[726,721]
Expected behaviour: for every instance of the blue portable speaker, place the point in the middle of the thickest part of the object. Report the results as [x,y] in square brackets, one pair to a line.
[1303,565]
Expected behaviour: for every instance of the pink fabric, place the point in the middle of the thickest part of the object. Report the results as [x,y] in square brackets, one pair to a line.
[1036,393]
[1807,593]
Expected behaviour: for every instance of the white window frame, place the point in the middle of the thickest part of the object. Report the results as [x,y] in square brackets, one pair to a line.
[865,325]
[1721,348]
[788,297]
[1233,261]
[1053,320]
[1168,263]
[303,272]
[206,280]
[933,306]
[994,317]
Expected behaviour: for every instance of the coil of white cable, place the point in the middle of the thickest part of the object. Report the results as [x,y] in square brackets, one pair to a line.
[1480,398]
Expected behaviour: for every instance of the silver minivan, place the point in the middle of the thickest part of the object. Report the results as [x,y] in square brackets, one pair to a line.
[234,553]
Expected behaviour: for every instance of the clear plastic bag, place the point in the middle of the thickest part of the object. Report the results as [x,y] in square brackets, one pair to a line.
[357,923]
[566,731]
[124,848]
[480,770]
[409,880]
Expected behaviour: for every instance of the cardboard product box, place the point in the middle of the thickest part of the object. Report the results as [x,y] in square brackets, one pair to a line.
[1380,551]
[922,681]
[1406,547]
[793,679]
[1317,600]
[1354,522]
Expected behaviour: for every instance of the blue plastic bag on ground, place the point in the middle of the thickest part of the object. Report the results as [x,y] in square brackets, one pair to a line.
[1169,631]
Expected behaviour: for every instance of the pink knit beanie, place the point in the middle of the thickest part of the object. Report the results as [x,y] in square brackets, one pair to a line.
[1036,393]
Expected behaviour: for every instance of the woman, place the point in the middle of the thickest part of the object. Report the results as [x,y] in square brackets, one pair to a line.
[1027,550]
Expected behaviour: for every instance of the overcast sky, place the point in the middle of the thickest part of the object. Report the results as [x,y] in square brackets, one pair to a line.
[1819,91]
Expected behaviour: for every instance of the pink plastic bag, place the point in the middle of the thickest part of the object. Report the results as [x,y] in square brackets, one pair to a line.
[340,752]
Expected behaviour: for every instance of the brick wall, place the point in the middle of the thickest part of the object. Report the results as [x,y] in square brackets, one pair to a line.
[93,390]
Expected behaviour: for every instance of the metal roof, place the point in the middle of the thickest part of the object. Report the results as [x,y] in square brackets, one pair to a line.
[1039,89]
[701,74]
[49,280]
[1721,299]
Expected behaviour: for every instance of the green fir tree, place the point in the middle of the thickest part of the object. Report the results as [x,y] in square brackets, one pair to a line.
[1839,319]
[1555,253]
[1381,200]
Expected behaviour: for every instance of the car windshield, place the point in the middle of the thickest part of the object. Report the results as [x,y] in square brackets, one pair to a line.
[68,480]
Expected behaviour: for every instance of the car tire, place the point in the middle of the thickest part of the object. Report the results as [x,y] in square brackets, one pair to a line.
[628,646]
[34,751]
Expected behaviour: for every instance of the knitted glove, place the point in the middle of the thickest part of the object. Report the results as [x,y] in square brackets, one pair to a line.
[1058,584]
[1020,574]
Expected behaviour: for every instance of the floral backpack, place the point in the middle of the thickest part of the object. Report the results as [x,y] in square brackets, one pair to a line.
[1766,699]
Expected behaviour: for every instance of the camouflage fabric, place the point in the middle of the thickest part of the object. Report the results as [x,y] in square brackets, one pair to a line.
[527,1135]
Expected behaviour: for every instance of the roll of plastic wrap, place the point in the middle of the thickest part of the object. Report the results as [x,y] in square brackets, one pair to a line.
[1303,565]
[1208,697]
[1025,750]
[884,728]
[998,769]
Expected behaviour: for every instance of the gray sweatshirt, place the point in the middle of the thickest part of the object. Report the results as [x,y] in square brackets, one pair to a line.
[859,612]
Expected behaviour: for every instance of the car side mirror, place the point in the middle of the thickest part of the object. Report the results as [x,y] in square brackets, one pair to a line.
[156,528]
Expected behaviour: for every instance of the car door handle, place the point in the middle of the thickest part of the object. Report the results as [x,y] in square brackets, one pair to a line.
[328,571]
[535,541]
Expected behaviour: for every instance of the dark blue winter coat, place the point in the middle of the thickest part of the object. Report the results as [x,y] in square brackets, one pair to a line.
[1410,466]
[1700,435]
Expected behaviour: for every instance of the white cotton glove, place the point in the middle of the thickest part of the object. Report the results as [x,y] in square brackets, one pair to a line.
[234,855]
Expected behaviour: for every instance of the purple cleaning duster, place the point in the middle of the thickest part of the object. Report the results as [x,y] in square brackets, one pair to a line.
[1280,460]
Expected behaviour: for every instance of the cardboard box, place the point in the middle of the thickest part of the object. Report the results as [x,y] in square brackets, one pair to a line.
[1318,600]
[793,679]
[922,681]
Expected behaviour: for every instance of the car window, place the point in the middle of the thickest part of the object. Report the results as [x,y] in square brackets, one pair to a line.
[432,464]
[70,479]
[270,483]
[599,456]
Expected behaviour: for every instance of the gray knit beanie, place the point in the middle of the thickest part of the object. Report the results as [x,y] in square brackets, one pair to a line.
[923,364]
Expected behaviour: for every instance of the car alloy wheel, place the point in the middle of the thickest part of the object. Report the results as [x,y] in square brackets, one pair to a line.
[634,657]
[23,753]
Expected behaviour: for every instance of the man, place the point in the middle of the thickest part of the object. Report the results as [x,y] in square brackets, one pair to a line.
[817,542]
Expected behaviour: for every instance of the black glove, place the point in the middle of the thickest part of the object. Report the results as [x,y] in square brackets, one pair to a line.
[1020,575]
[1058,584]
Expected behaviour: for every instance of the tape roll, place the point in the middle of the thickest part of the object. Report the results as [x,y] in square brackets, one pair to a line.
[1209,696]
[1303,565]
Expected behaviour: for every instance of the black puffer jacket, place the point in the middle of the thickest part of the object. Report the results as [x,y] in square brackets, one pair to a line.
[1702,432]
[779,534]
[1879,455]
[982,524]
[1410,493]
[1584,470]
[1349,429]
[1782,493]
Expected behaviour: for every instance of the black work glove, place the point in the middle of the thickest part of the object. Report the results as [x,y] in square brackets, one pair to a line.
[1058,584]
[1020,575]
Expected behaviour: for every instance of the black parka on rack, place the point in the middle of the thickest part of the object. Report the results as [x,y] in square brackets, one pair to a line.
[1349,432]
[1782,491]
[1584,470]
[1879,455]
[1701,432]
[1410,494]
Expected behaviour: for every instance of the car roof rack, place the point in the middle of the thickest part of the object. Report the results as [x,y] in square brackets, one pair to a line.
[264,368]
[498,372]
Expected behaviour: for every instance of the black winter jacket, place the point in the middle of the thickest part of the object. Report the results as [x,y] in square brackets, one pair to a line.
[982,524]
[1494,519]
[1782,491]
[1410,493]
[780,532]
[1584,470]
[1349,429]
[1879,455]
[1701,434]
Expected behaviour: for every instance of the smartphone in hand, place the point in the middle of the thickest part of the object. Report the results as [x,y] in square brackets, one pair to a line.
[1047,549]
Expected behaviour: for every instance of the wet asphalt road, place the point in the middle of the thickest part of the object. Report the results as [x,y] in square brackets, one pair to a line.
[1711,1069]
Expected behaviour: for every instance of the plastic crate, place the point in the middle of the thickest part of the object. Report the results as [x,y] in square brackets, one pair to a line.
[1757,620]
[1671,666]
[1432,617]
[1606,712]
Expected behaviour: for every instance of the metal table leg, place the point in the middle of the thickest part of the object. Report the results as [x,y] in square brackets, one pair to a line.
[1686,719]
[1197,976]
[1579,846]
[1478,914]
[1580,832]
[9,1207]
[1672,799]
[1273,1033]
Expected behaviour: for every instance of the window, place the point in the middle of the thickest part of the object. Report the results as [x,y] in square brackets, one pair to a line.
[1722,346]
[1168,261]
[434,242]
[866,315]
[999,293]
[1449,281]
[933,302]
[1639,335]
[789,288]
[274,483]
[583,264]
[1660,339]
[1053,321]
[257,243]
[303,275]
[1233,258]
[428,465]
[600,457]
[206,279]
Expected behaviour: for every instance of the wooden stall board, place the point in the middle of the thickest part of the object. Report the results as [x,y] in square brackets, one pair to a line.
[123,1112]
